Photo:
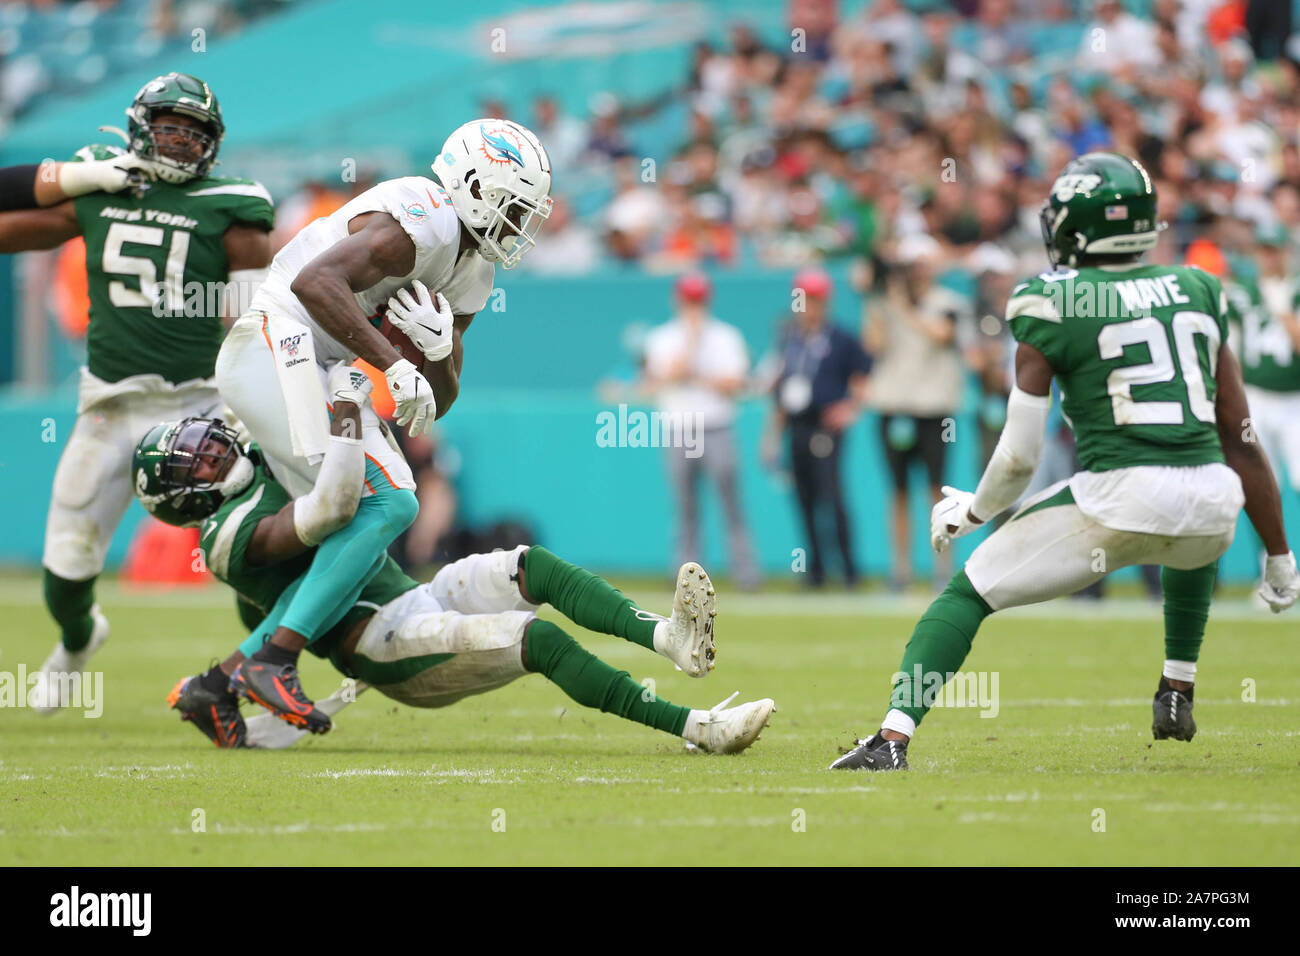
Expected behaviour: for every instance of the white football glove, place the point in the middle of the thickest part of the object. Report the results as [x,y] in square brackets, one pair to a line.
[413,396]
[426,322]
[1281,584]
[347,383]
[105,175]
[950,518]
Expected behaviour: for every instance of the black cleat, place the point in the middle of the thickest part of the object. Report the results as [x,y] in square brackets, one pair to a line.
[216,714]
[874,753]
[276,687]
[1172,713]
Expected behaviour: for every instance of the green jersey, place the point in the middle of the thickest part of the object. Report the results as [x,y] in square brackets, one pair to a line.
[1134,353]
[1268,356]
[156,268]
[224,545]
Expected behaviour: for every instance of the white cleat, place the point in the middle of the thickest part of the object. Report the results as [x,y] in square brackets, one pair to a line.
[729,730]
[50,693]
[266,731]
[687,638]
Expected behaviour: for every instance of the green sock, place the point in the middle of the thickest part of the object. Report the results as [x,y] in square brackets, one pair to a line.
[940,642]
[593,683]
[69,603]
[585,598]
[1187,605]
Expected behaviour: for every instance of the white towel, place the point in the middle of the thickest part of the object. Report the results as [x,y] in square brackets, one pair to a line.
[300,384]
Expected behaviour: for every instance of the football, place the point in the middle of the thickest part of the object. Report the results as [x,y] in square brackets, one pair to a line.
[399,340]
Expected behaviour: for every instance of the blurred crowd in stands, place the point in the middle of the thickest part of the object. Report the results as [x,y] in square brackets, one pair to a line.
[889,123]
[51,47]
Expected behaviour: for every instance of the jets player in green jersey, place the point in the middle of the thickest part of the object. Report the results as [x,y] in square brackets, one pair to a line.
[472,629]
[1266,335]
[159,257]
[1155,399]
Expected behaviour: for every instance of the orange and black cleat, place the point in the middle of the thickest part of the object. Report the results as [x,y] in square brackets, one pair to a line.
[276,687]
[216,714]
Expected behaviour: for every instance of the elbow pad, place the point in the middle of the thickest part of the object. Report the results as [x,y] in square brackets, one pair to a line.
[1016,457]
[244,284]
[332,502]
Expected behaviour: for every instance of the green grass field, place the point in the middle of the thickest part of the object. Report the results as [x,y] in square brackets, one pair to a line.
[391,785]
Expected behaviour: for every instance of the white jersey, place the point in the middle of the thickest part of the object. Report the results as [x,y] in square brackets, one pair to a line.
[425,212]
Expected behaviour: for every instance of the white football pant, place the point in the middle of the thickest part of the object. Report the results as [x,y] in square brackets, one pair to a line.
[92,484]
[249,382]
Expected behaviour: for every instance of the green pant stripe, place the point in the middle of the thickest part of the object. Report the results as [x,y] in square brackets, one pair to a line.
[1063,497]
[394,672]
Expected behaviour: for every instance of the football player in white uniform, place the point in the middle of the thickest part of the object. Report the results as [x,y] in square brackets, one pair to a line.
[422,249]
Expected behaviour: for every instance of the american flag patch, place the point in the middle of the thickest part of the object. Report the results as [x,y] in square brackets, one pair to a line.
[1116,212]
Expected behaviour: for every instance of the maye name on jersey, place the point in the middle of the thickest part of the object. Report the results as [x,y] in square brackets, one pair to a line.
[1067,294]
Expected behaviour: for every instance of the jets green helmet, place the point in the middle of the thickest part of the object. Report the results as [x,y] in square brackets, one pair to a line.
[1102,204]
[188,96]
[184,471]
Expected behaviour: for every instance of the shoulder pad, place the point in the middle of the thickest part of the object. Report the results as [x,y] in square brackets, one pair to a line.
[95,151]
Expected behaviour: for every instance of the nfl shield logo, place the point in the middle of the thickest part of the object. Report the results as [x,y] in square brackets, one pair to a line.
[1116,212]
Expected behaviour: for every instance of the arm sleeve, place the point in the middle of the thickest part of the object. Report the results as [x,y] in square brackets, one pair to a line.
[18,187]
[1016,456]
[333,500]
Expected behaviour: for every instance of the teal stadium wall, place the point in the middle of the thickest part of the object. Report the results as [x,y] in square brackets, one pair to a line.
[525,428]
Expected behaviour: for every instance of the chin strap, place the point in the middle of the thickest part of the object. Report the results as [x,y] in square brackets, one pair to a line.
[238,478]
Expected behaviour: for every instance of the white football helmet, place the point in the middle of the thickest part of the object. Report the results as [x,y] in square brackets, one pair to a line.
[499,179]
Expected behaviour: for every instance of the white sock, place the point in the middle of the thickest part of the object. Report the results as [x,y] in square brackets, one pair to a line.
[899,722]
[693,731]
[1180,670]
[661,635]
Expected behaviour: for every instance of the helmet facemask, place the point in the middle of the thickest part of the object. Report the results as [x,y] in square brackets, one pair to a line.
[204,443]
[1051,220]
[512,227]
[149,148]
[192,168]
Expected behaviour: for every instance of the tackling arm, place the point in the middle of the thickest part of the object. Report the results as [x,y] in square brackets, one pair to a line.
[305,522]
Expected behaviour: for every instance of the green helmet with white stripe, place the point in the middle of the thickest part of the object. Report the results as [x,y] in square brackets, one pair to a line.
[184,95]
[183,472]
[1102,204]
